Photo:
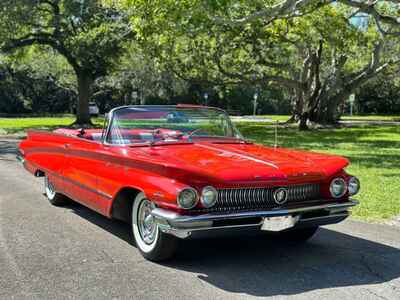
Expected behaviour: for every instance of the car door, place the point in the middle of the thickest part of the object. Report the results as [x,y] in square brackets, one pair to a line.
[111,172]
[83,163]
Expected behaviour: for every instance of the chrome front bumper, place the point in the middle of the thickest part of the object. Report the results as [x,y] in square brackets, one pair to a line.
[183,225]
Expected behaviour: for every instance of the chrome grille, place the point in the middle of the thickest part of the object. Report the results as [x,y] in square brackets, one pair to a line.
[262,198]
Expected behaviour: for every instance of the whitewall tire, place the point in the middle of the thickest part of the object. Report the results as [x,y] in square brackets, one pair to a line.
[54,198]
[152,243]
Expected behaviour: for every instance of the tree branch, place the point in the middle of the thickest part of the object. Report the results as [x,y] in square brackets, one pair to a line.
[249,76]
[41,39]
[370,9]
[291,8]
[278,10]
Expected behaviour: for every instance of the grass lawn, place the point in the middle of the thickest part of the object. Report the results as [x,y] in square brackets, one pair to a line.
[374,152]
[284,118]
[371,118]
[280,118]
[13,125]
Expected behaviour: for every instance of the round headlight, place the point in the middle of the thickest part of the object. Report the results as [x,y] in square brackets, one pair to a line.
[338,188]
[187,198]
[354,186]
[208,196]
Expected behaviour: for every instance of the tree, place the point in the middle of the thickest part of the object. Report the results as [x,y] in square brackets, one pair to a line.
[385,13]
[379,96]
[314,50]
[321,89]
[29,83]
[90,34]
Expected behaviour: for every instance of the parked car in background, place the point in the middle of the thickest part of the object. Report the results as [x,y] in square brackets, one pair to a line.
[173,171]
[93,109]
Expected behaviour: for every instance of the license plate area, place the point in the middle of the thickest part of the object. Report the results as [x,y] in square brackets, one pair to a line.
[279,223]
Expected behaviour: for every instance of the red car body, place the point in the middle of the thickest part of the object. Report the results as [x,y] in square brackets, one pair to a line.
[83,167]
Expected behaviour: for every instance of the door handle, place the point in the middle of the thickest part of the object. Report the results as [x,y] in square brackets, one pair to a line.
[67,146]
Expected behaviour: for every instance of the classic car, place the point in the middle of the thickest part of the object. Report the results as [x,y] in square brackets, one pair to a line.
[171,180]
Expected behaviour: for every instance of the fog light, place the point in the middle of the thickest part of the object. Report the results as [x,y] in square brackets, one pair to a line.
[338,187]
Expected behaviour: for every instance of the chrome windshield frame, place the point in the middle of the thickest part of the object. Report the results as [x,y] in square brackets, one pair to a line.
[109,120]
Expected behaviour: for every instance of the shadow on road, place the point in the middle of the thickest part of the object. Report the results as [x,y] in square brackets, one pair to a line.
[260,266]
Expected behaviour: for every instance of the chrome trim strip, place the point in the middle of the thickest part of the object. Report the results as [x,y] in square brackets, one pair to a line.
[184,233]
[345,214]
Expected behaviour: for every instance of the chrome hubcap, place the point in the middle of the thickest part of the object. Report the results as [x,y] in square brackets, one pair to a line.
[147,226]
[50,192]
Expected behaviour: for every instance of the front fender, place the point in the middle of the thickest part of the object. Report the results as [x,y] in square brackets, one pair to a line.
[161,190]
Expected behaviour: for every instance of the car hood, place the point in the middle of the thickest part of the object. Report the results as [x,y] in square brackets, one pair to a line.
[241,163]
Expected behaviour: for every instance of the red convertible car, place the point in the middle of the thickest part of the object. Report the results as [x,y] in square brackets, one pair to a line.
[173,171]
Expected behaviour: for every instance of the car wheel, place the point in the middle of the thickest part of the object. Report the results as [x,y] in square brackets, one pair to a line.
[54,198]
[300,235]
[152,243]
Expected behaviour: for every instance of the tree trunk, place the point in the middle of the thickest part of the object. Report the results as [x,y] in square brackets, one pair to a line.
[292,119]
[328,113]
[85,83]
[303,122]
[331,111]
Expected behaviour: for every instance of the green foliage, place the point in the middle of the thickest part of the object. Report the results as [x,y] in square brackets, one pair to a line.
[89,34]
[192,39]
[23,90]
[44,62]
[170,51]
[380,96]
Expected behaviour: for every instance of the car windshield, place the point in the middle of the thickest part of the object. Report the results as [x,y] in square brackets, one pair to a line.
[150,124]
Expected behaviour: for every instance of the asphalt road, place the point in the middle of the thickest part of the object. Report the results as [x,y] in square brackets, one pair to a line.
[72,252]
